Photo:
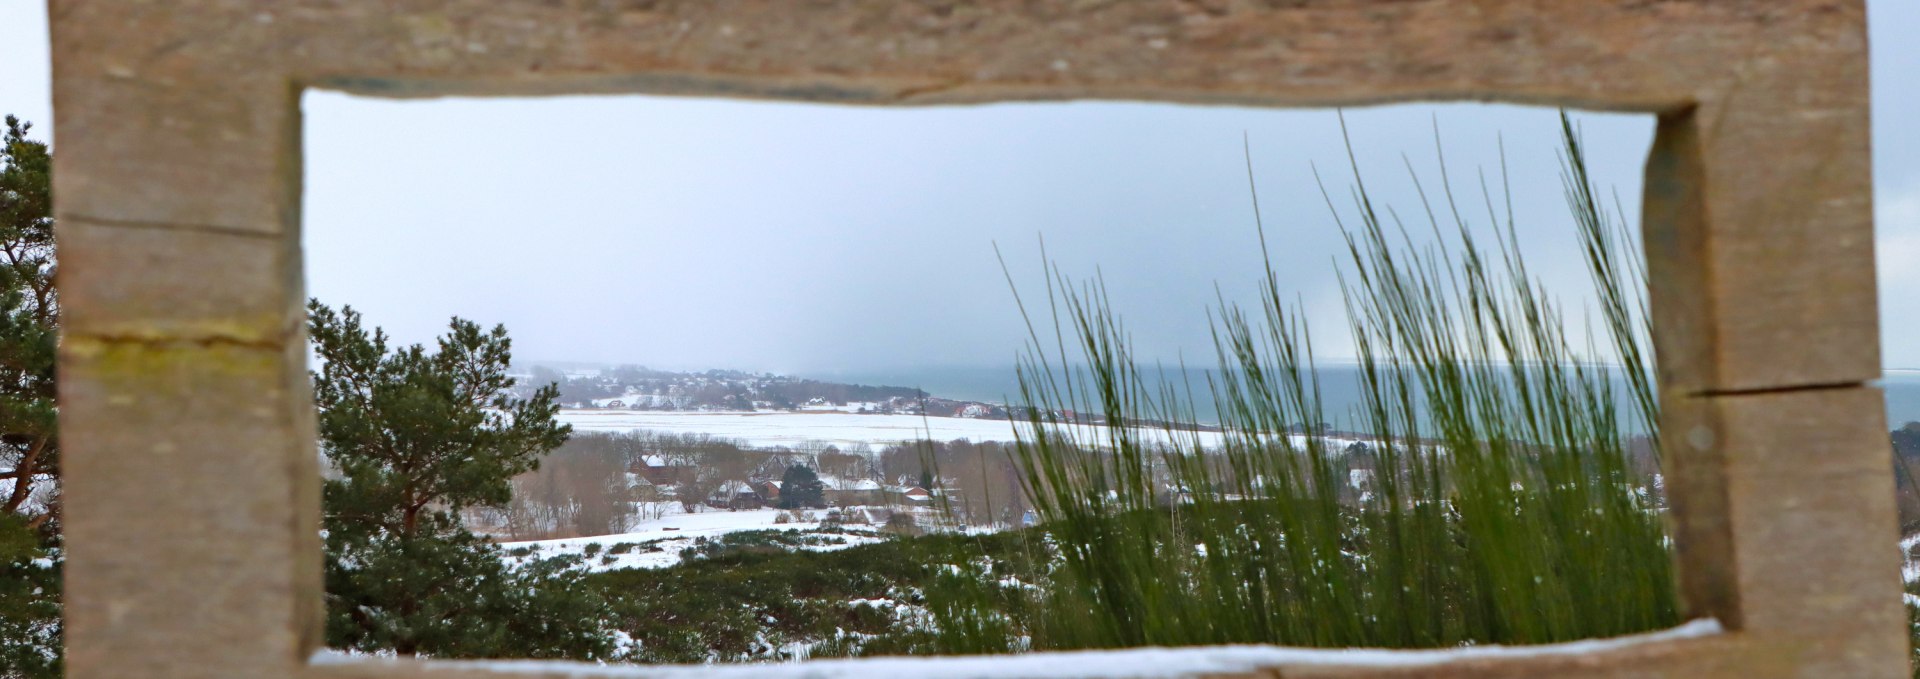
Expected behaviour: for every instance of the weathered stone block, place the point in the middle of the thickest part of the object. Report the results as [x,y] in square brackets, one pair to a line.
[186,555]
[218,155]
[1783,508]
[160,283]
[1763,265]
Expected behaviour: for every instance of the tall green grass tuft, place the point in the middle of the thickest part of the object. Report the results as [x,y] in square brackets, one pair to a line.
[1487,490]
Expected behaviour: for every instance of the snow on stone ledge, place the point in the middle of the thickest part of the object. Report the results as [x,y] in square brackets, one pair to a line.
[1133,662]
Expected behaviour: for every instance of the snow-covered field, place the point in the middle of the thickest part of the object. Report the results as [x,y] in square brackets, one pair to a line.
[657,543]
[782,428]
[768,429]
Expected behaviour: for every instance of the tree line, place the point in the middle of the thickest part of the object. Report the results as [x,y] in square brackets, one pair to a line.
[601,483]
[713,389]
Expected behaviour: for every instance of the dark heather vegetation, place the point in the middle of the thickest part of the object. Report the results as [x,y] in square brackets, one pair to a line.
[755,596]
[414,437]
[1906,474]
[30,550]
[1906,464]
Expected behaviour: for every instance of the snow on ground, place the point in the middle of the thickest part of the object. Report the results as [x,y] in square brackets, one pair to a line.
[1132,662]
[787,428]
[768,429]
[657,543]
[1910,566]
[850,407]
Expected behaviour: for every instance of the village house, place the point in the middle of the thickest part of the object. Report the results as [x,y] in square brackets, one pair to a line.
[640,489]
[853,492]
[912,496]
[768,490]
[735,495]
[662,473]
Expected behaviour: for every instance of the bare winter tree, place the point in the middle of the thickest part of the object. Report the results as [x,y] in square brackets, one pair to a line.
[833,462]
[595,478]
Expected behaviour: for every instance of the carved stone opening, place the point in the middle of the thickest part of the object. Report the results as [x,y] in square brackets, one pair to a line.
[191,490]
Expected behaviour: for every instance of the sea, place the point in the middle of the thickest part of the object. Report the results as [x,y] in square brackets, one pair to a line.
[1340,393]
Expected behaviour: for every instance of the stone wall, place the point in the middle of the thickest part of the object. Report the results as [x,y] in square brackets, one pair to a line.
[192,497]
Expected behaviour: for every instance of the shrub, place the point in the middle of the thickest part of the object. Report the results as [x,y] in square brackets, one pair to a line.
[1502,505]
[902,523]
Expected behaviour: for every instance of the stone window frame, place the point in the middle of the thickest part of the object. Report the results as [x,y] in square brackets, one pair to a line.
[192,493]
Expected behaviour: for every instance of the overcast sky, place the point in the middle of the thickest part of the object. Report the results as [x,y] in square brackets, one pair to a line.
[695,233]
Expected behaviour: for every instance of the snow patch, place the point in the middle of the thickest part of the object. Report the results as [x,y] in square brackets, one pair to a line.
[1134,662]
[657,543]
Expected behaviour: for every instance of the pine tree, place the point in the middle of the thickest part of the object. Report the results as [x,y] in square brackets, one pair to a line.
[416,437]
[30,625]
[800,487]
